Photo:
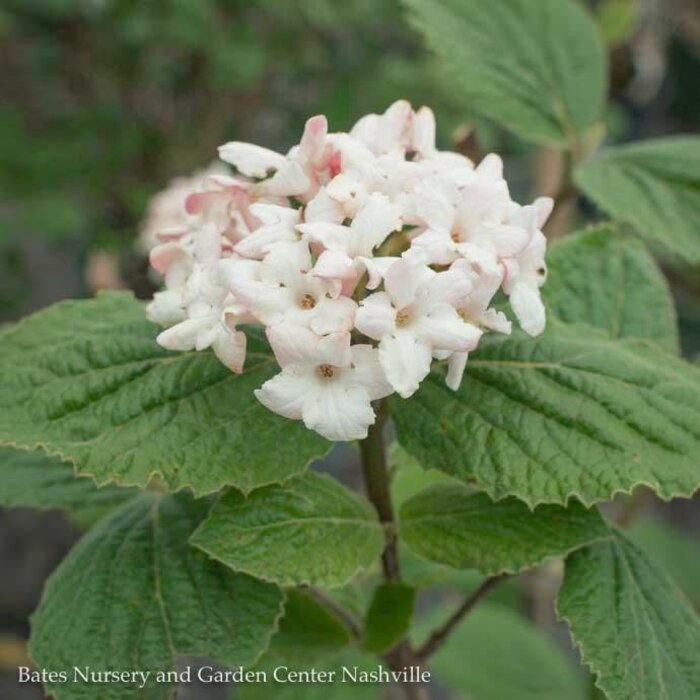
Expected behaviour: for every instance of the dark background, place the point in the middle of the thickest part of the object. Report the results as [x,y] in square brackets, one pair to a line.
[104,101]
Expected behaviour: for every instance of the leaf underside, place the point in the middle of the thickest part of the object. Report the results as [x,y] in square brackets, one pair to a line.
[537,68]
[654,186]
[609,280]
[450,525]
[34,480]
[632,625]
[133,594]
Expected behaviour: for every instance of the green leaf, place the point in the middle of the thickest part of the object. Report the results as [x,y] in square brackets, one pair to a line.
[133,595]
[449,524]
[655,187]
[537,68]
[409,477]
[87,382]
[389,616]
[495,654]
[610,281]
[571,413]
[633,626]
[309,530]
[307,632]
[674,550]
[34,480]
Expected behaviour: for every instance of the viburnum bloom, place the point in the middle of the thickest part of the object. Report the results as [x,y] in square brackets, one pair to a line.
[325,381]
[369,257]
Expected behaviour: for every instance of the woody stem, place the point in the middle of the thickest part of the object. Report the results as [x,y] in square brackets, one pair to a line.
[377,484]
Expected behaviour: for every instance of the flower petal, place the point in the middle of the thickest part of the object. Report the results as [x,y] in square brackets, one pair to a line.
[456,364]
[293,345]
[373,223]
[376,316]
[335,265]
[333,315]
[403,279]
[406,361]
[251,160]
[338,412]
[443,329]
[230,348]
[528,307]
[287,391]
[290,180]
[368,373]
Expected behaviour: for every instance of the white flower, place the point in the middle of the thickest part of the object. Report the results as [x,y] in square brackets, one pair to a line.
[366,256]
[211,318]
[415,319]
[325,381]
[167,213]
[347,249]
[285,290]
[469,218]
[277,226]
[527,272]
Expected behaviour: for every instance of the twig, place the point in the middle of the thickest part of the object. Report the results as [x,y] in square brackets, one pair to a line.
[634,506]
[439,636]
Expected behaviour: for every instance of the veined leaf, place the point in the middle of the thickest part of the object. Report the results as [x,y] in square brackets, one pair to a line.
[654,186]
[571,413]
[537,68]
[611,281]
[674,550]
[307,632]
[309,530]
[134,595]
[449,524]
[632,625]
[34,480]
[86,381]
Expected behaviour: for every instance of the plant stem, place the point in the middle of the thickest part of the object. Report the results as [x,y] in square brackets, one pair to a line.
[439,636]
[377,484]
[634,506]
[376,476]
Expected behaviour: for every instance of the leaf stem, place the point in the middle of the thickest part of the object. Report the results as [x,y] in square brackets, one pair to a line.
[440,635]
[376,475]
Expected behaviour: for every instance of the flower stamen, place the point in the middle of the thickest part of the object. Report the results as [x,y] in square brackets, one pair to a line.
[307,302]
[326,371]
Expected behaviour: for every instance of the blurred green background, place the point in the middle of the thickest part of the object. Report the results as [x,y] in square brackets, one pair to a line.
[105,101]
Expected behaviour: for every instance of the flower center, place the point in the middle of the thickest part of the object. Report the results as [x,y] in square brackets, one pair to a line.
[307,302]
[403,318]
[326,371]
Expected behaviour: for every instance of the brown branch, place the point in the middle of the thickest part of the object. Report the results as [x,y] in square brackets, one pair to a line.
[440,635]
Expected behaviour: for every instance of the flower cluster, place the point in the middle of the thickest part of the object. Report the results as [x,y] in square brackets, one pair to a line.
[366,255]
